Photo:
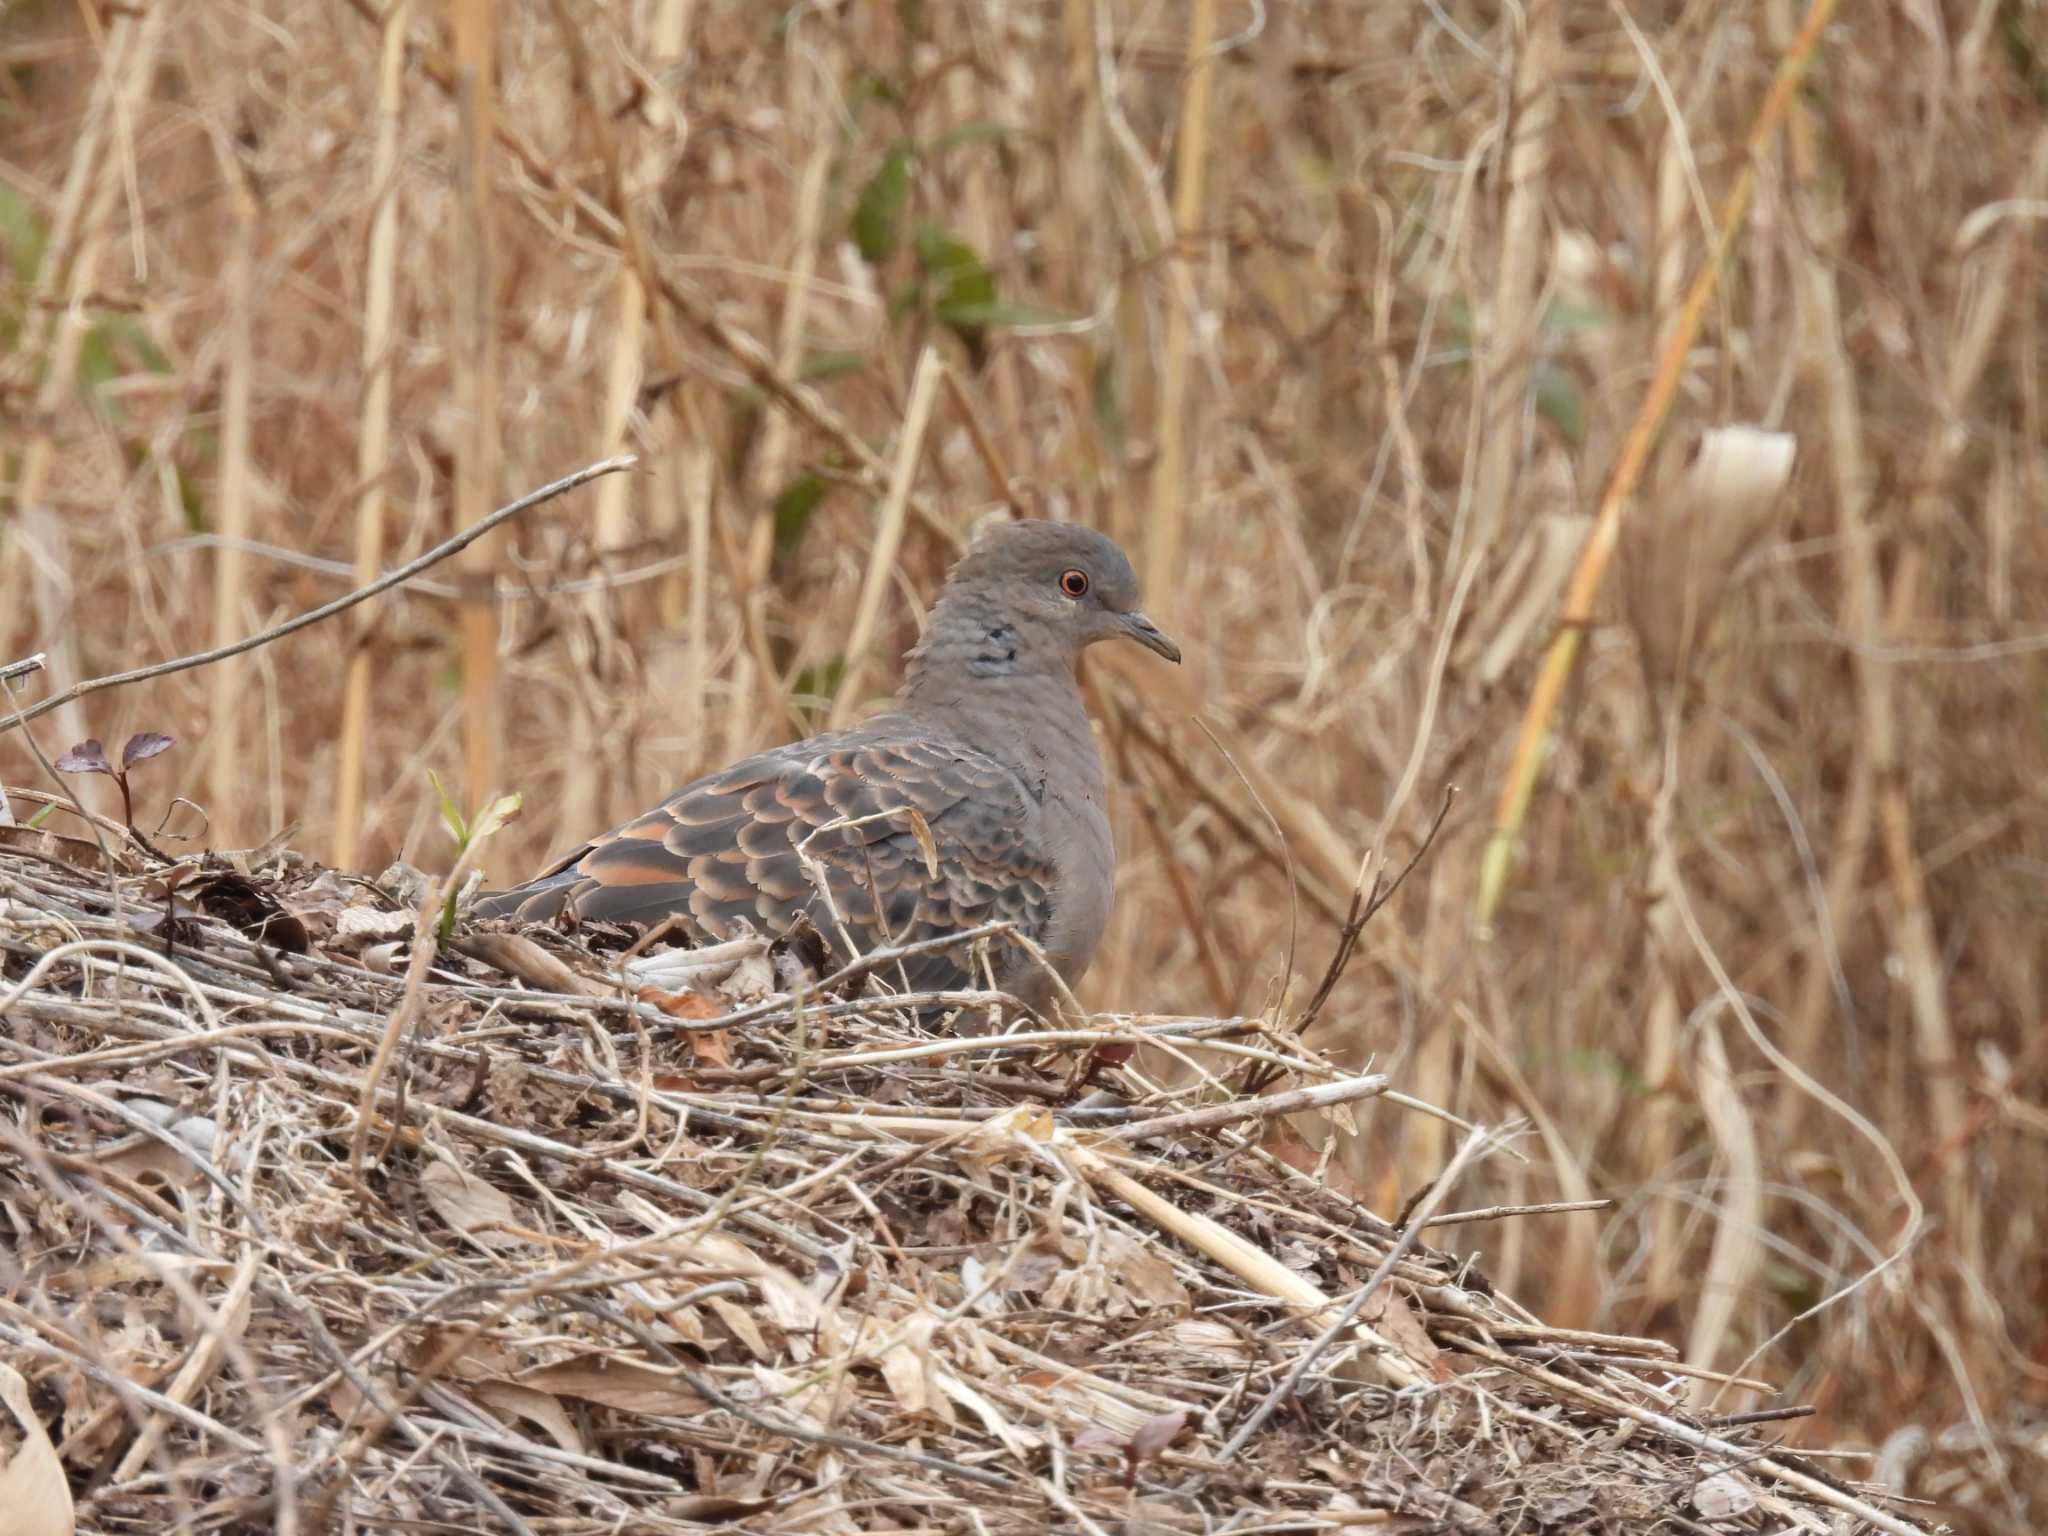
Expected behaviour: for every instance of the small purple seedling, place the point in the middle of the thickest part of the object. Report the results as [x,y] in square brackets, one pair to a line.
[90,757]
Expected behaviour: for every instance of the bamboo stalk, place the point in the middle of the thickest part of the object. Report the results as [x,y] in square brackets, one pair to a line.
[227,771]
[374,438]
[1577,610]
[1166,535]
[582,782]
[1512,336]
[84,211]
[924,393]
[473,274]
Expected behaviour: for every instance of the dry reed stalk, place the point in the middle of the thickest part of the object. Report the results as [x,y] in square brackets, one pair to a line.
[771,462]
[373,445]
[1577,610]
[739,346]
[91,184]
[1920,950]
[1737,1254]
[1850,480]
[1165,533]
[1515,323]
[984,446]
[694,471]
[227,765]
[473,299]
[582,798]
[1572,1266]
[1677,557]
[917,415]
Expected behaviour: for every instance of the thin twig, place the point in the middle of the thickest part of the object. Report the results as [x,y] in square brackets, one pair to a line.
[385,583]
[1216,1116]
[1305,1362]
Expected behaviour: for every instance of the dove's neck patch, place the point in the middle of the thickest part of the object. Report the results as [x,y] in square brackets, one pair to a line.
[996,656]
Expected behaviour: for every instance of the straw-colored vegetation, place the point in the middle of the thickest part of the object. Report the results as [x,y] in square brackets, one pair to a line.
[1343,318]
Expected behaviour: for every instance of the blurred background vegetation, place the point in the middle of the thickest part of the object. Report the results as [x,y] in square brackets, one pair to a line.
[1338,315]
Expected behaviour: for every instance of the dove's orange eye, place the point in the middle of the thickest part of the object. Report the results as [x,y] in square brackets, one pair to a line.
[1074,583]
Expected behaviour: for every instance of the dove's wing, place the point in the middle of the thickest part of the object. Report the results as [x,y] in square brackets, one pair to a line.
[725,850]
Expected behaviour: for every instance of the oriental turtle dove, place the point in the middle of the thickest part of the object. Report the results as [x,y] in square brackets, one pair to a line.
[977,796]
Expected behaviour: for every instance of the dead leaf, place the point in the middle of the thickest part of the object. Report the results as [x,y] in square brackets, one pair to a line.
[682,1005]
[39,842]
[711,1047]
[477,1210]
[1146,1276]
[536,1407]
[614,1383]
[34,1493]
[1205,1336]
[364,921]
[906,1365]
[1395,1321]
[920,829]
[1723,1496]
[740,1323]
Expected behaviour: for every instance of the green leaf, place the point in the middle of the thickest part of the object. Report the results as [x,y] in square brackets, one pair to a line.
[949,261]
[966,287]
[1456,318]
[982,132]
[1108,399]
[829,365]
[1559,398]
[793,508]
[1000,314]
[128,332]
[22,234]
[97,368]
[870,88]
[1573,317]
[451,814]
[878,211]
[190,502]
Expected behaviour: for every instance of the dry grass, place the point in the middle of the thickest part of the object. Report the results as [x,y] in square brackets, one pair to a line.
[1767,960]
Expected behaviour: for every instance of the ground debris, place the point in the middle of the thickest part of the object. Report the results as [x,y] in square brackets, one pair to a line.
[561,1260]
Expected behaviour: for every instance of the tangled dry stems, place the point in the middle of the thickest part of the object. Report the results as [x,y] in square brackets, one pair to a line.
[612,1263]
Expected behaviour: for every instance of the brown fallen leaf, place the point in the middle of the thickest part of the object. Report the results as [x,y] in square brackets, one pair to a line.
[1391,1316]
[35,1496]
[536,1407]
[711,1047]
[682,1005]
[920,829]
[477,1210]
[615,1383]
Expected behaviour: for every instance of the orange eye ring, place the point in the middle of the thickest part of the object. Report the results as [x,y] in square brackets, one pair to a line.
[1074,582]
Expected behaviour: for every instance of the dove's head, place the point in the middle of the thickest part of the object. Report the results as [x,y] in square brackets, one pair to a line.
[1060,588]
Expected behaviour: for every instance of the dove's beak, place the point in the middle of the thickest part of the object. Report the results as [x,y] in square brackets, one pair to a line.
[1146,633]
